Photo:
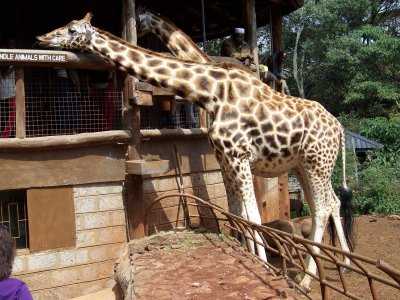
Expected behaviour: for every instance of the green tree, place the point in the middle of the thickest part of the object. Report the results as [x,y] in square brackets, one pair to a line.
[345,54]
[307,33]
[367,60]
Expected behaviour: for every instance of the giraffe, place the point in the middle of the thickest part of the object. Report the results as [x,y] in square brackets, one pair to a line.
[254,129]
[177,42]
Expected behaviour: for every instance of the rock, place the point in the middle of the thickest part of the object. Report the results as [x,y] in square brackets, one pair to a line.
[149,247]
[194,226]
[136,250]
[200,229]
[394,217]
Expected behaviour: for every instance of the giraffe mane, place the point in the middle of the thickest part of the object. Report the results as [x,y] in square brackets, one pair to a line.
[223,65]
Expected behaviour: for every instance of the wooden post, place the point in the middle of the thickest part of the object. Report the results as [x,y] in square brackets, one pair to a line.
[276,36]
[20,119]
[251,25]
[284,202]
[276,27]
[131,116]
[259,191]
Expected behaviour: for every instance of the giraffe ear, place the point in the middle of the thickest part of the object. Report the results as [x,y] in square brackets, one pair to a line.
[88,17]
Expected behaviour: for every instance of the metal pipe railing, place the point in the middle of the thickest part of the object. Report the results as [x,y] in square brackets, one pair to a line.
[375,271]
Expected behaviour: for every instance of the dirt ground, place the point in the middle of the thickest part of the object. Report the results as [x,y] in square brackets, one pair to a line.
[377,238]
[208,266]
[195,265]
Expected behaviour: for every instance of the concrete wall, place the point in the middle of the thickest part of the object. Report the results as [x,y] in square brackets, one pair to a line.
[87,267]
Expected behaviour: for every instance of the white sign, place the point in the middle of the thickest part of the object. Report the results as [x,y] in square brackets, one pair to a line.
[33,57]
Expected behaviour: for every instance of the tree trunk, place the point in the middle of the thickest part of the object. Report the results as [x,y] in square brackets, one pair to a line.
[297,78]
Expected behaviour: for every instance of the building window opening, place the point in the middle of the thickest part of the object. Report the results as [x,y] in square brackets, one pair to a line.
[13,215]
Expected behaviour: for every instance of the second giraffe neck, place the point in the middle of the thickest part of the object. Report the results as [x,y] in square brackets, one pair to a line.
[175,39]
[183,78]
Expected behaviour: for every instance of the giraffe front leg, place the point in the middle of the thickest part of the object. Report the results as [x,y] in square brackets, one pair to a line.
[233,206]
[239,181]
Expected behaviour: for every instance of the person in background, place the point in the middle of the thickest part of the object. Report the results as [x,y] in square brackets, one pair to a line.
[275,75]
[10,288]
[235,46]
[102,93]
[67,105]
[7,97]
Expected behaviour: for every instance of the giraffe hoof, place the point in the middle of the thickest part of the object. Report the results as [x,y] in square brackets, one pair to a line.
[303,289]
[345,270]
[304,285]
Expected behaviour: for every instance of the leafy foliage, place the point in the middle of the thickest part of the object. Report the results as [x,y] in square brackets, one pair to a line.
[347,54]
[378,188]
[368,61]
[384,130]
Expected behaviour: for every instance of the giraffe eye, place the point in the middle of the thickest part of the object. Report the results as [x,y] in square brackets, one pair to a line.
[71,30]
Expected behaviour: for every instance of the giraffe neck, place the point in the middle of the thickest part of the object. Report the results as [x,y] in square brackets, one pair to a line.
[183,78]
[175,39]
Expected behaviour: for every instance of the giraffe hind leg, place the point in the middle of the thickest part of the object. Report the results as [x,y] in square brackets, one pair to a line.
[338,224]
[318,193]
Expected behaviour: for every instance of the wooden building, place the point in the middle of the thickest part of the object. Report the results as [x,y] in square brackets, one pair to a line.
[83,153]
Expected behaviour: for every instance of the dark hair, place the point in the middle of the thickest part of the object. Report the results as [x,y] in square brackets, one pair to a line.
[7,245]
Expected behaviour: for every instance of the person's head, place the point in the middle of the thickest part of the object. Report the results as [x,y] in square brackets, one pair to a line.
[11,43]
[238,35]
[7,253]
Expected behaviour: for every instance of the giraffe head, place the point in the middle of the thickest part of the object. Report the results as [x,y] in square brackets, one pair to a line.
[143,21]
[75,35]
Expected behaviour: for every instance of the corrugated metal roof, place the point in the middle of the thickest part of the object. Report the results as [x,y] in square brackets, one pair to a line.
[360,143]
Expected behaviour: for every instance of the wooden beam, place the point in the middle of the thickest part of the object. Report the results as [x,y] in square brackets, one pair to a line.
[61,167]
[179,133]
[65,141]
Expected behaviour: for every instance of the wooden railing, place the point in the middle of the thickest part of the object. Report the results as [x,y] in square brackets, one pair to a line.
[291,250]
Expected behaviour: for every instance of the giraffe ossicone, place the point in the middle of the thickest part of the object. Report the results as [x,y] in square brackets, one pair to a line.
[254,129]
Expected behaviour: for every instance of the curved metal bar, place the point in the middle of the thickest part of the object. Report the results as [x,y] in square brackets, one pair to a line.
[285,242]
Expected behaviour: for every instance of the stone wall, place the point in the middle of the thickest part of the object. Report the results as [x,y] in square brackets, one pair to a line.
[87,267]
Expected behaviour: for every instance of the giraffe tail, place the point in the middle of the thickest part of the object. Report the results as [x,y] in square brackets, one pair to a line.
[346,200]
[346,205]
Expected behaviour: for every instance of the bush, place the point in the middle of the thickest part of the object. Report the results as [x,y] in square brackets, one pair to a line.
[378,188]
[375,183]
